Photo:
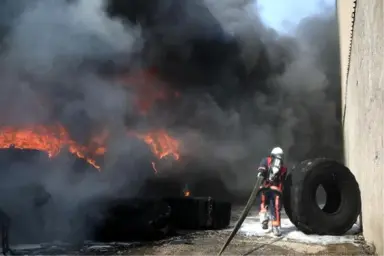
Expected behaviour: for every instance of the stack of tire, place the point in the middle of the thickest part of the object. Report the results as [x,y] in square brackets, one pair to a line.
[149,219]
[342,204]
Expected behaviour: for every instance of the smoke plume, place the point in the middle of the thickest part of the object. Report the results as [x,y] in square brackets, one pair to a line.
[244,88]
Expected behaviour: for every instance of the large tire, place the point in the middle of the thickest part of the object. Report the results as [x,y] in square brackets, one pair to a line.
[199,213]
[125,220]
[343,203]
[287,196]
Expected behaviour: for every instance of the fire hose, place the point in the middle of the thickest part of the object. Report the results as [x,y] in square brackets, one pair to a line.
[245,212]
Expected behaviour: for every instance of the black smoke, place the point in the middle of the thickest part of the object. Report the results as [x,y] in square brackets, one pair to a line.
[244,87]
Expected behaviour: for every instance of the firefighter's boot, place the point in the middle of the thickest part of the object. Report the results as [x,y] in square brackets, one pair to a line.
[264,219]
[276,231]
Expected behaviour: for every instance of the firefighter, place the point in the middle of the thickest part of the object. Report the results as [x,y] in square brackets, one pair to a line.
[273,172]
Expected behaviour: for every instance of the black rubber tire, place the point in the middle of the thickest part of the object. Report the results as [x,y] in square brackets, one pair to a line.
[287,196]
[199,213]
[130,220]
[287,199]
[343,201]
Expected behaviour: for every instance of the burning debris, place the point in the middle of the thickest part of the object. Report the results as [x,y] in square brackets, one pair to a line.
[92,77]
[52,139]
[162,145]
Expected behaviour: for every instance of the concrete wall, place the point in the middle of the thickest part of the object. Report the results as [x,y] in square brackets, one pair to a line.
[363,101]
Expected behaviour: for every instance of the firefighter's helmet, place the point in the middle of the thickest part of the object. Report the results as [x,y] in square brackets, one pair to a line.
[277,151]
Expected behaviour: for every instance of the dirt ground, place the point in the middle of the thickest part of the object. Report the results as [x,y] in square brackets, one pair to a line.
[210,244]
[205,243]
[199,243]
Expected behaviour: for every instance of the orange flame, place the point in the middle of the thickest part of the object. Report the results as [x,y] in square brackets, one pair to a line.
[162,144]
[186,191]
[149,89]
[50,139]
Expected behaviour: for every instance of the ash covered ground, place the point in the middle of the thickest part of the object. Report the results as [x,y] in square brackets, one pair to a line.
[194,88]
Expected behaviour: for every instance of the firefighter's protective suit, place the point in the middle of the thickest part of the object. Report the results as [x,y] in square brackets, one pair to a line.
[273,171]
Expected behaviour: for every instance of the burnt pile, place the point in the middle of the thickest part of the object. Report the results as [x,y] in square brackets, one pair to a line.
[111,220]
[149,219]
[22,195]
[148,216]
[191,176]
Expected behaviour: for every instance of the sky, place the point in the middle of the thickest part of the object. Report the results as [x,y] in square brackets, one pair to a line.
[283,15]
